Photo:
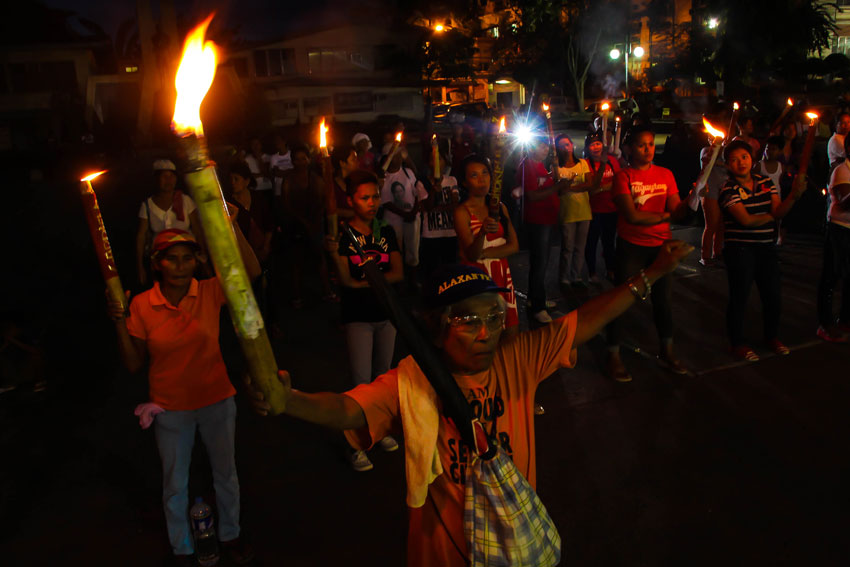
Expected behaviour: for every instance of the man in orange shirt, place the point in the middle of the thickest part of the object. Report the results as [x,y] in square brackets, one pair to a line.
[176,325]
[466,316]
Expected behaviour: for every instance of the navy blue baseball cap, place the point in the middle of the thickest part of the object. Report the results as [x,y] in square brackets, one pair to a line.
[455,282]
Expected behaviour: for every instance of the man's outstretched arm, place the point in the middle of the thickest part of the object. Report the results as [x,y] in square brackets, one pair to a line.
[602,309]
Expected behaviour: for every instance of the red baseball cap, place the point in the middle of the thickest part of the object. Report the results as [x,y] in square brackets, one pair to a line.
[171,236]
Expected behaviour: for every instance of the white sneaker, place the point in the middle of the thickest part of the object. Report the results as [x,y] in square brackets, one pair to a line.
[388,444]
[542,316]
[360,462]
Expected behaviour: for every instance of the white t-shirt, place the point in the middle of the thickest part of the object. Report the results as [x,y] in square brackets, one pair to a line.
[775,176]
[835,148]
[160,220]
[439,224]
[282,162]
[836,214]
[263,183]
[401,189]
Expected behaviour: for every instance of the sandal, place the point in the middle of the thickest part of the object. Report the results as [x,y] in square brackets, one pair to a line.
[672,365]
[619,373]
[745,353]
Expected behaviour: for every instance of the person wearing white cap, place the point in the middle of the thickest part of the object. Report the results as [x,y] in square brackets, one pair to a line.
[365,156]
[168,207]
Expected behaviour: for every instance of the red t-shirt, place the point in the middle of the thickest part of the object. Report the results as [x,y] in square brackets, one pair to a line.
[505,393]
[532,175]
[601,201]
[649,189]
[186,369]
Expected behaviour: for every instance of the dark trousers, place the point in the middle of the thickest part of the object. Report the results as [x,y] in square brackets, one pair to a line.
[836,257]
[603,225]
[746,263]
[539,248]
[630,259]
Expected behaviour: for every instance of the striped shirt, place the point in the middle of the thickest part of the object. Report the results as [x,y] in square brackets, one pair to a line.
[757,201]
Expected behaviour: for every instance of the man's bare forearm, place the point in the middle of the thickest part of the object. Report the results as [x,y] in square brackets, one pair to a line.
[337,411]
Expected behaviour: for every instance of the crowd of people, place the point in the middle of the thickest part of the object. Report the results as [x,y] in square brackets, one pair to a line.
[436,231]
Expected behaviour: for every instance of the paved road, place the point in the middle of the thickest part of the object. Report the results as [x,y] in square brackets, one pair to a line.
[737,464]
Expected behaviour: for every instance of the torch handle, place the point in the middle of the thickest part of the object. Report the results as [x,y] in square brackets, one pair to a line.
[97,229]
[230,269]
[424,353]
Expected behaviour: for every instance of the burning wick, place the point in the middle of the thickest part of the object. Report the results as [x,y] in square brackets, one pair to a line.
[790,102]
[92,176]
[502,127]
[194,78]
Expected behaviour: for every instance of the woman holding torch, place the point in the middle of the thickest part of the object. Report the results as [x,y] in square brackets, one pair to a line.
[751,206]
[575,212]
[647,199]
[175,325]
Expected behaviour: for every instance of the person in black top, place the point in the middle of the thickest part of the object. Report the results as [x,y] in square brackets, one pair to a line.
[751,206]
[369,334]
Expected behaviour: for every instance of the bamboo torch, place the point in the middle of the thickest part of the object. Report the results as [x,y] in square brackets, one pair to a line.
[101,240]
[789,104]
[393,152]
[194,78]
[702,180]
[808,146]
[605,106]
[548,114]
[435,158]
[733,123]
[327,173]
[498,171]
[617,133]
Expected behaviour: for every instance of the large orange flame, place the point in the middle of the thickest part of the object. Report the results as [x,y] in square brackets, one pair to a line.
[92,176]
[194,78]
[605,106]
[712,130]
[323,130]
[812,116]
[502,126]
[545,107]
[398,137]
[790,101]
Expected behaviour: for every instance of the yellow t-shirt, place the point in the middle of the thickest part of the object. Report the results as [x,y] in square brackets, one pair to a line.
[575,207]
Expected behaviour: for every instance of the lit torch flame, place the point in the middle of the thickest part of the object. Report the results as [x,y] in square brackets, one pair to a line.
[712,130]
[194,78]
[545,107]
[92,176]
[605,106]
[812,116]
[735,106]
[398,137]
[502,127]
[323,130]
[790,102]
[616,118]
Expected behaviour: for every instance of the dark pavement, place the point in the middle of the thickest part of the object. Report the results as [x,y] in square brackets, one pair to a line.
[736,464]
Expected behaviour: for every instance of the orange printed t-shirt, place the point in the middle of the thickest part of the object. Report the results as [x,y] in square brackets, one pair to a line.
[505,393]
[186,369]
[649,189]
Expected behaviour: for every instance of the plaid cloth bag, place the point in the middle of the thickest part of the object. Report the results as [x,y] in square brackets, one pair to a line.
[504,521]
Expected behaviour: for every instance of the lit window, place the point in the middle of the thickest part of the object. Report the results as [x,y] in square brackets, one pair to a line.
[132,69]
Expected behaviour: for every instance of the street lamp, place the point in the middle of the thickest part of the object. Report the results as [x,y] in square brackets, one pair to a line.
[636,51]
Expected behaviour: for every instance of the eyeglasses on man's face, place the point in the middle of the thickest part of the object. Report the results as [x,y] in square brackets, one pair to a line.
[471,323]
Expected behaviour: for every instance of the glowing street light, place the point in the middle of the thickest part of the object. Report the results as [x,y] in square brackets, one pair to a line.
[615,53]
[638,52]
[713,23]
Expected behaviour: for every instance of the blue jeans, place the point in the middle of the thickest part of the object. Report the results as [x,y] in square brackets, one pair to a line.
[175,437]
[539,242]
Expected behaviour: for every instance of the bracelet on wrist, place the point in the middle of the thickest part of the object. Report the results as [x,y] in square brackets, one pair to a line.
[634,290]
[645,283]
[636,279]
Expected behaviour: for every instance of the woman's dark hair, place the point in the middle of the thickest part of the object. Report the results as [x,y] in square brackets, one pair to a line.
[736,145]
[778,141]
[472,158]
[241,169]
[635,132]
[557,141]
[339,155]
[357,178]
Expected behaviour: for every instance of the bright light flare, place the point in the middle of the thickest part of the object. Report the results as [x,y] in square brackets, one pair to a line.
[323,131]
[614,53]
[439,28]
[503,126]
[713,23]
[524,135]
[194,78]
[92,176]
[545,107]
[617,118]
[812,116]
[823,191]
[398,137]
[605,106]
[709,127]
[735,106]
[790,102]
[639,52]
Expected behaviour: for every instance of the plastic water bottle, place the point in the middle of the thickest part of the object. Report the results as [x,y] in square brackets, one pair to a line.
[206,544]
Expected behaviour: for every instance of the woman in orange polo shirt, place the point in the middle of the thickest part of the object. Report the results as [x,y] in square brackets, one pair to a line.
[175,324]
